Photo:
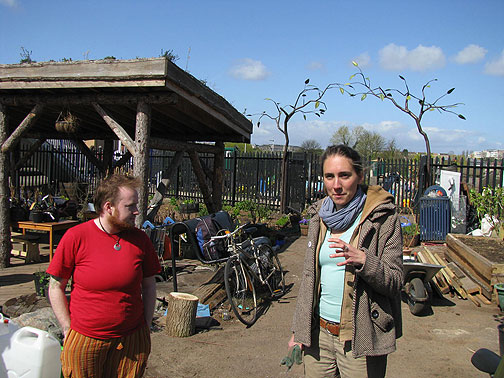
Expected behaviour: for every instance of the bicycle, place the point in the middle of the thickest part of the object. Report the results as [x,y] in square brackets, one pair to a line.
[250,268]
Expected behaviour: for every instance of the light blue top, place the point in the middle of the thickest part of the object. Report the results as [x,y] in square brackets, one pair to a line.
[332,276]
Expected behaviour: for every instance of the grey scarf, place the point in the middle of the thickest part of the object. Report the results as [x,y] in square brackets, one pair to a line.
[340,220]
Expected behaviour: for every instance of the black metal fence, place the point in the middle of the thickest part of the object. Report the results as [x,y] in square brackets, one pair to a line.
[249,176]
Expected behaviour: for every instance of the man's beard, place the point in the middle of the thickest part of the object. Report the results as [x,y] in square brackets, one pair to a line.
[119,224]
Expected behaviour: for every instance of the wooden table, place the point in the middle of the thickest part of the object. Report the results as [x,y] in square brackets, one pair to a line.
[46,226]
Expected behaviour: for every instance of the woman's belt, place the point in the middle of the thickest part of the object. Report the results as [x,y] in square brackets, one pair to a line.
[332,327]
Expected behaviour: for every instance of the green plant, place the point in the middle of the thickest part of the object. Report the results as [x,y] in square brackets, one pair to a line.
[282,222]
[41,279]
[489,202]
[203,210]
[411,229]
[263,213]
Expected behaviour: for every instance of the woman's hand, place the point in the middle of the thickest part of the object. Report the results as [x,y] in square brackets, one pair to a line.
[292,343]
[352,255]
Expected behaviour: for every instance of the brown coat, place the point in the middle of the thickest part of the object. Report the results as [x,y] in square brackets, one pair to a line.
[376,306]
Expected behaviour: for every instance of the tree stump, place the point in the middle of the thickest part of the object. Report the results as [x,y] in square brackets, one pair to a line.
[181,314]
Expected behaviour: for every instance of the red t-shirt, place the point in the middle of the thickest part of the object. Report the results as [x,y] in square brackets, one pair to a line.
[106,298]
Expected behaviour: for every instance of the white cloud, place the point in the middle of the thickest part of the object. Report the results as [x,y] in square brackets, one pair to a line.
[421,58]
[363,60]
[316,66]
[496,67]
[9,3]
[249,69]
[470,54]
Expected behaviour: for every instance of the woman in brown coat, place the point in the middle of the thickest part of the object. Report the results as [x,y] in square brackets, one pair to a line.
[348,313]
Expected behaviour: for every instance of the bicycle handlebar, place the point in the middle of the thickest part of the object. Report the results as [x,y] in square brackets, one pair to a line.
[226,236]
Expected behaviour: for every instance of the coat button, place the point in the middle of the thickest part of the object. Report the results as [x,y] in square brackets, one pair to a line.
[375,314]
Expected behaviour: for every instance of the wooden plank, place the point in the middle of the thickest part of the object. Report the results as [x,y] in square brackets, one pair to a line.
[469,271]
[483,299]
[474,300]
[443,271]
[434,261]
[209,288]
[454,281]
[216,299]
[469,286]
[469,256]
[438,278]
[13,140]
[85,70]
[117,129]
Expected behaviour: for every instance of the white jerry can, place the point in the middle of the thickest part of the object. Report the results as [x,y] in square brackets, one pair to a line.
[31,353]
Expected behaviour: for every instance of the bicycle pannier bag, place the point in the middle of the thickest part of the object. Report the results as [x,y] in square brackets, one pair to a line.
[205,229]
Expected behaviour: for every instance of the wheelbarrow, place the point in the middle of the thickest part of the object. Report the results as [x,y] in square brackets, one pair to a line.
[416,285]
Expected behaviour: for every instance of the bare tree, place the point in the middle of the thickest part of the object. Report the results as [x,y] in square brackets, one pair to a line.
[424,106]
[308,101]
[311,146]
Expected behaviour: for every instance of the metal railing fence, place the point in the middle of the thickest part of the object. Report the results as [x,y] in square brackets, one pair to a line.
[248,176]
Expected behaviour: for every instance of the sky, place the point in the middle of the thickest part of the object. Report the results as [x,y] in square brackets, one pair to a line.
[250,51]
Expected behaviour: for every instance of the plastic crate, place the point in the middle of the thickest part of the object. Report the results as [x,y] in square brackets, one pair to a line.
[435,218]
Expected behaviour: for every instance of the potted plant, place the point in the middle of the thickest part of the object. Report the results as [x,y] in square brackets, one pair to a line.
[67,123]
[189,206]
[489,205]
[303,225]
[411,235]
[41,280]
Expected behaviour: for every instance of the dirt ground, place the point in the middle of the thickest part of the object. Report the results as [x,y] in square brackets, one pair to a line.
[436,345]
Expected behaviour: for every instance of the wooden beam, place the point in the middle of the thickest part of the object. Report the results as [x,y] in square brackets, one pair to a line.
[218,177]
[176,145]
[161,189]
[470,256]
[117,129]
[5,236]
[66,100]
[141,157]
[16,136]
[33,148]
[200,176]
[89,155]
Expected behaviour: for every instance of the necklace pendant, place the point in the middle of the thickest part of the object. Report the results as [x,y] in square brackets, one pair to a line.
[117,246]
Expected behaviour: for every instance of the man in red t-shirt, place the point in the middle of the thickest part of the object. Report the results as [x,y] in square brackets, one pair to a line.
[112,264]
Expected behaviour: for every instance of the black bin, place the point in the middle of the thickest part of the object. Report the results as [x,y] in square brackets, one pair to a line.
[435,214]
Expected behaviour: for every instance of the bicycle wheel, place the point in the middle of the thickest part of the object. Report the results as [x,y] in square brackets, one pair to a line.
[240,291]
[272,270]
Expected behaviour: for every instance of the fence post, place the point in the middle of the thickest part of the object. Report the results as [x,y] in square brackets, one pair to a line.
[233,179]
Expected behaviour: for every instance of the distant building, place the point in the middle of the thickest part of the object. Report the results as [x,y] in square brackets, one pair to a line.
[494,154]
[278,148]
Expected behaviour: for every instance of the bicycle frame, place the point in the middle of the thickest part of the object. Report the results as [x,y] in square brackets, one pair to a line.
[236,250]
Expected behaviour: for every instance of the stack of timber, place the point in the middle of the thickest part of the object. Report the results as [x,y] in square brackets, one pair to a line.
[474,265]
[450,279]
[212,292]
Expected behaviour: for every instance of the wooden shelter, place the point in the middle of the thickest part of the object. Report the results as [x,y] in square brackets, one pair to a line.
[145,103]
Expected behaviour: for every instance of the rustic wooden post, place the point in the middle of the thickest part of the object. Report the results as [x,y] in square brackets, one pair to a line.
[141,159]
[5,243]
[181,314]
[200,176]
[13,140]
[218,177]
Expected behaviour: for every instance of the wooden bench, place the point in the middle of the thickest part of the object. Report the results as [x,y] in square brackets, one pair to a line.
[30,252]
